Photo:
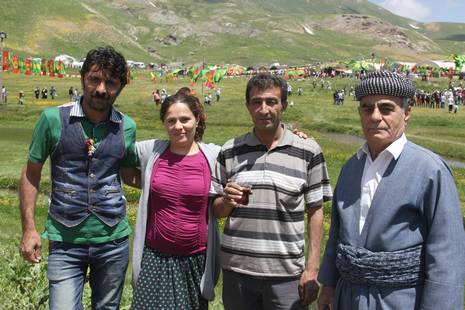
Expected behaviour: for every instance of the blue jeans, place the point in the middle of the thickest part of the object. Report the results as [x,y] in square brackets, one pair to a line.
[67,270]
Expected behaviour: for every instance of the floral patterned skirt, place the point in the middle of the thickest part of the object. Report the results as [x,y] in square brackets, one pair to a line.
[169,282]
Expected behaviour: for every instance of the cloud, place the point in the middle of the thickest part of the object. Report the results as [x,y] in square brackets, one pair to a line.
[452,3]
[407,8]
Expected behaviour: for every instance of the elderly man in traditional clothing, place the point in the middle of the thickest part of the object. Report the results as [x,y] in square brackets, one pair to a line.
[396,239]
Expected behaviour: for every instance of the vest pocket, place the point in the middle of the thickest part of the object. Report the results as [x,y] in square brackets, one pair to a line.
[67,191]
[112,191]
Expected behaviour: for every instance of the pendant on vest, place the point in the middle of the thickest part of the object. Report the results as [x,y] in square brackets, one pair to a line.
[90,147]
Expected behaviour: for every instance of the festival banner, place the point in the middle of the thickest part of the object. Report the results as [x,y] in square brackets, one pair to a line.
[235,70]
[15,64]
[459,61]
[60,69]
[36,66]
[194,73]
[153,77]
[220,74]
[44,66]
[28,66]
[176,71]
[129,76]
[51,67]
[21,64]
[5,60]
[55,67]
[209,83]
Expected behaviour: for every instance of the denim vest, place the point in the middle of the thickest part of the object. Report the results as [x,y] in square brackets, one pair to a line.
[83,185]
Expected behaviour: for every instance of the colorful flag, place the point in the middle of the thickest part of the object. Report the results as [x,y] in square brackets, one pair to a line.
[21,64]
[154,77]
[195,75]
[15,63]
[459,61]
[61,69]
[28,66]
[6,58]
[130,75]
[44,66]
[219,74]
[36,66]
[51,67]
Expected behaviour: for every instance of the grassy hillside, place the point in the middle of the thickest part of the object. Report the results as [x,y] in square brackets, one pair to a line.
[449,35]
[235,31]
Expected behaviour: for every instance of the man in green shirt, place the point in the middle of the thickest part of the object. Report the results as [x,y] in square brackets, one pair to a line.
[89,143]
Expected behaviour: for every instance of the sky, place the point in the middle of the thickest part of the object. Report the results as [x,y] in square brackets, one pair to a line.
[427,10]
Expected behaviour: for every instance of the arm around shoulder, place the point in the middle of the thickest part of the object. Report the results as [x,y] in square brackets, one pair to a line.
[131,177]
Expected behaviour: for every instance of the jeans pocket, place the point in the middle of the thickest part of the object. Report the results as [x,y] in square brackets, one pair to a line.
[54,245]
[120,240]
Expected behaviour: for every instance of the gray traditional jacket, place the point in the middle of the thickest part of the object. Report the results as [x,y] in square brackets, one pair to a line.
[148,152]
[415,204]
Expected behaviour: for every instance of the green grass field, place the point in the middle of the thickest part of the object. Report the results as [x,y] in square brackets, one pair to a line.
[23,286]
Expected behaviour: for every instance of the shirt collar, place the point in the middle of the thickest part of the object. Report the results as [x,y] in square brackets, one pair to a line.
[395,148]
[77,111]
[286,139]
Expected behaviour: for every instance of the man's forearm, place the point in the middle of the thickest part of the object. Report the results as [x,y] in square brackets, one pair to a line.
[221,208]
[315,235]
[29,189]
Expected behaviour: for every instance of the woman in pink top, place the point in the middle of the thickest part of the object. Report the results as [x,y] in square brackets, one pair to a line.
[175,242]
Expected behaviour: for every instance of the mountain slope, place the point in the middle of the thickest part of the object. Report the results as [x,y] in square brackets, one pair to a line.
[241,31]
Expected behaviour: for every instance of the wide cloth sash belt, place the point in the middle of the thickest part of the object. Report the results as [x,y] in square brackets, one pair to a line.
[398,269]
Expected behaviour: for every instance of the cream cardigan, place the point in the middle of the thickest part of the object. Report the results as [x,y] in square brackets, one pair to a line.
[148,152]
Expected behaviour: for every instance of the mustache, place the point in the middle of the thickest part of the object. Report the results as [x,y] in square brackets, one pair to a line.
[100,96]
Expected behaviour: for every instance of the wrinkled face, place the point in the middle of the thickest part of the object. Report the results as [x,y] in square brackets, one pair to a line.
[180,124]
[383,120]
[265,108]
[100,89]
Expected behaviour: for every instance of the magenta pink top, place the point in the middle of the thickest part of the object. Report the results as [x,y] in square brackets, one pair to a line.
[178,203]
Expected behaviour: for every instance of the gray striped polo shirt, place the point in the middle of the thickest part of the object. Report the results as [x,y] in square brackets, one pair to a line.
[266,237]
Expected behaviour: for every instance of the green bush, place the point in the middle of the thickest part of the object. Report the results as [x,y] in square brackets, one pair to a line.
[22,285]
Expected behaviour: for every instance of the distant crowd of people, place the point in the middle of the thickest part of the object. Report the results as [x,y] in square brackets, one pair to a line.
[451,97]
[339,96]
[160,95]
[40,93]
[44,93]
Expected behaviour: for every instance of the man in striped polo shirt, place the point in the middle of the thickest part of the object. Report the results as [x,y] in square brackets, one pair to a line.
[262,252]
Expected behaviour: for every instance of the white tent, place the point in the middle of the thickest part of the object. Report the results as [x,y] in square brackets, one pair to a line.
[445,64]
[66,59]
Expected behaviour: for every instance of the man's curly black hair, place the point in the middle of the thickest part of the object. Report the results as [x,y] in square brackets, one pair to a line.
[106,58]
